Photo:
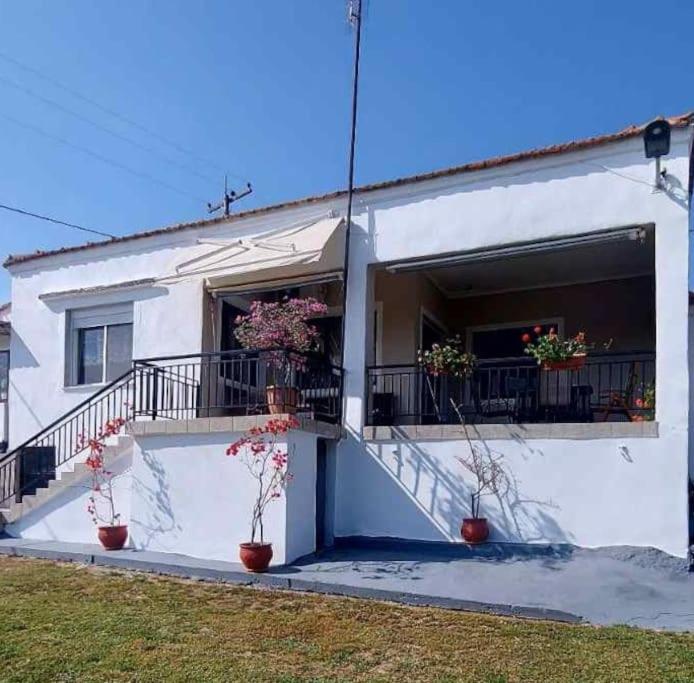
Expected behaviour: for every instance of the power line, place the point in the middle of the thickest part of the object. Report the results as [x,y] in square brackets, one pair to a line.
[55,220]
[106,129]
[102,158]
[115,114]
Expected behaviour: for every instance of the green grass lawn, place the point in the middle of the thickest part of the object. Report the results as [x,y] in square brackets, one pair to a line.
[73,623]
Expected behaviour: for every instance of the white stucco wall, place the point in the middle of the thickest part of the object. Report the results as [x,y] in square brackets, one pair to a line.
[65,517]
[551,198]
[588,493]
[188,497]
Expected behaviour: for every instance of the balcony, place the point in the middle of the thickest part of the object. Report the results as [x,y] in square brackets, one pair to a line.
[237,383]
[610,387]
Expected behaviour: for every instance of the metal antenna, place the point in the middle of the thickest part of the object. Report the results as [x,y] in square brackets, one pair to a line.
[229,198]
[354,16]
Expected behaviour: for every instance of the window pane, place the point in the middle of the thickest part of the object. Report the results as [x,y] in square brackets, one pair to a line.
[4,372]
[119,350]
[505,342]
[90,349]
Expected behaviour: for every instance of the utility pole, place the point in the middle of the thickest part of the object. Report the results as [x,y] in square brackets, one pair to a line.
[354,16]
[229,198]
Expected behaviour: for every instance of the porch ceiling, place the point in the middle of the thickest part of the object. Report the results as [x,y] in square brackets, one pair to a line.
[573,265]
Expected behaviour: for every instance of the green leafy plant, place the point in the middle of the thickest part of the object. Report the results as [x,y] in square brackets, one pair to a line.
[646,403]
[447,359]
[550,347]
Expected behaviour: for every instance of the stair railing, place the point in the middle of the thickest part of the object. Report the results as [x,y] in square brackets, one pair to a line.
[35,461]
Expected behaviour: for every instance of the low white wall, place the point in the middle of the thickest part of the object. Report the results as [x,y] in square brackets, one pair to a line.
[188,497]
[589,493]
[65,517]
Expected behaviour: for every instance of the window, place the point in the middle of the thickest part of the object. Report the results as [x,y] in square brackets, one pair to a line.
[4,374]
[100,343]
[504,340]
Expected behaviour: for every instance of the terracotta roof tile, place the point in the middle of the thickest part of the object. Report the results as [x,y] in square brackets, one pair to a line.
[680,121]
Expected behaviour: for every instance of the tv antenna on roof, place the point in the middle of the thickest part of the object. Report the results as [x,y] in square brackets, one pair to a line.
[229,198]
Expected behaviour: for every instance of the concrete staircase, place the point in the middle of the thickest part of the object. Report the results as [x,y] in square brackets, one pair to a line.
[80,474]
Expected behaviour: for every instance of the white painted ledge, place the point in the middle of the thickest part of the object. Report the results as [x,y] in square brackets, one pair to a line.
[206,425]
[516,432]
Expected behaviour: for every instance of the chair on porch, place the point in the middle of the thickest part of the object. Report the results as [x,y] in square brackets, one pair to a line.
[518,402]
[620,401]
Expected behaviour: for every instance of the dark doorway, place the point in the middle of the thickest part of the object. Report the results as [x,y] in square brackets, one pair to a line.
[321,492]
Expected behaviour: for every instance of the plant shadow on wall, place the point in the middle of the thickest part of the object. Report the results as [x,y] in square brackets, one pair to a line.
[161,519]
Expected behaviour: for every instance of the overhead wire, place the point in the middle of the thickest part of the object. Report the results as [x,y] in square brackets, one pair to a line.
[112,112]
[104,159]
[106,129]
[24,212]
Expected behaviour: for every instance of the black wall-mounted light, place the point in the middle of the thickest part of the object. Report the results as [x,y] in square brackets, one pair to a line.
[656,143]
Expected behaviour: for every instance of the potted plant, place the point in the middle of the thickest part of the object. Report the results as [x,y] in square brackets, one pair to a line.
[282,329]
[554,353]
[447,359]
[443,360]
[267,464]
[101,506]
[490,479]
[645,404]
[490,476]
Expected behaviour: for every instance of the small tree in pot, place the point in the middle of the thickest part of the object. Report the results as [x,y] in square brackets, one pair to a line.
[490,476]
[282,329]
[267,464]
[101,506]
[490,479]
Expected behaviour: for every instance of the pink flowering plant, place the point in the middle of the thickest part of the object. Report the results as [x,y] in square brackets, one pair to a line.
[282,329]
[281,325]
[101,506]
[267,463]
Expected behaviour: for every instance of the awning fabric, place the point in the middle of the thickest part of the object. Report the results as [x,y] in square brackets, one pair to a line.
[309,250]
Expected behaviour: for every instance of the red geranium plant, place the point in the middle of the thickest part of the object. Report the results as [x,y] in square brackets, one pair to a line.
[267,463]
[551,348]
[102,479]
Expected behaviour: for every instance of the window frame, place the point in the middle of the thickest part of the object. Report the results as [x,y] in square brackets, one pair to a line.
[472,329]
[95,317]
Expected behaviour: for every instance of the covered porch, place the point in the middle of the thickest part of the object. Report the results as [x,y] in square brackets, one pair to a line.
[600,283]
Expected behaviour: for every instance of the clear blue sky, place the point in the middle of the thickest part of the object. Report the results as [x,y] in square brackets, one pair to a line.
[262,90]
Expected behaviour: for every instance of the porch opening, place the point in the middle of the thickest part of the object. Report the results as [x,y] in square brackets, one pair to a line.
[602,284]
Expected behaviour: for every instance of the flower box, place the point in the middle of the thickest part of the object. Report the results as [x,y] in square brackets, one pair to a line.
[575,362]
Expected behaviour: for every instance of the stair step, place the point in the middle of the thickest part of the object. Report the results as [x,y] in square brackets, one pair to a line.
[64,480]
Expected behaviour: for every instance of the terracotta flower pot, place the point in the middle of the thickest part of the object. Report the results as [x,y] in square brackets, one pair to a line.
[113,537]
[574,363]
[255,556]
[281,400]
[475,530]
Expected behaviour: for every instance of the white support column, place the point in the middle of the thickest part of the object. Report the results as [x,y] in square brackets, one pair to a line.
[359,304]
[672,324]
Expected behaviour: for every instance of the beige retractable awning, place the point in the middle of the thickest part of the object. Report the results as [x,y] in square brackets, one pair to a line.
[309,251]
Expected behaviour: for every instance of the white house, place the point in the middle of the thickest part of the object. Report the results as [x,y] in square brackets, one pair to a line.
[575,236]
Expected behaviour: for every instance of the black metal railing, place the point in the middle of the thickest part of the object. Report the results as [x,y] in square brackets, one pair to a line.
[238,383]
[34,462]
[175,388]
[610,386]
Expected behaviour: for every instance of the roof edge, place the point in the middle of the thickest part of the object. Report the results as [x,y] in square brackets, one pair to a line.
[632,131]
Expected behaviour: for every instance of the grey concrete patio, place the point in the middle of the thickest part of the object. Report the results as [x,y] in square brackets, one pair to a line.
[634,586]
